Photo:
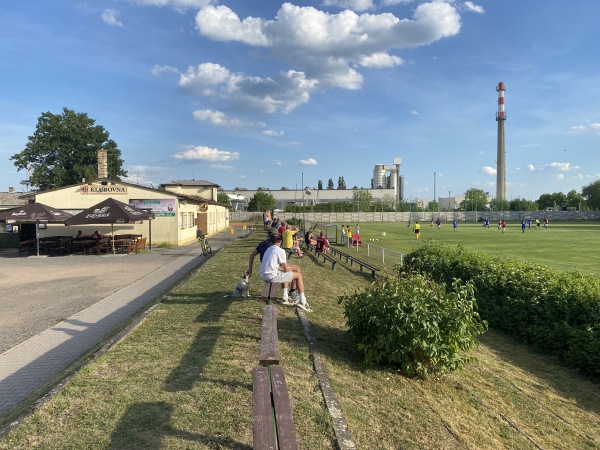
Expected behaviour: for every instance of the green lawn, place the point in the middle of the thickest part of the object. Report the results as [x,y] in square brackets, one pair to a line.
[182,378]
[564,246]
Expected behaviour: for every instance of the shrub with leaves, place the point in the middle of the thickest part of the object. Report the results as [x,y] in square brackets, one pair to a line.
[414,323]
[556,312]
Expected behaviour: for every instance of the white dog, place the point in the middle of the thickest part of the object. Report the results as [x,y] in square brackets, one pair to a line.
[242,288]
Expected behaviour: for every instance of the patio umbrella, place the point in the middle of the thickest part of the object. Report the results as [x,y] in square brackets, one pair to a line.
[37,212]
[109,211]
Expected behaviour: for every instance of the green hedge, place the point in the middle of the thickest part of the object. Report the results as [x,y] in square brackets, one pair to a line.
[556,312]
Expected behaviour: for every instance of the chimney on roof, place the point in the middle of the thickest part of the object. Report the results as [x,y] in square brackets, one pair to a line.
[11,189]
[102,164]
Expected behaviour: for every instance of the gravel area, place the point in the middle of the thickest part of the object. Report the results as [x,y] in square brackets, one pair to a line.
[36,293]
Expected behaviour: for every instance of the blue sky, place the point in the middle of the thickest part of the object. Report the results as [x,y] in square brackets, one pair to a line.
[250,93]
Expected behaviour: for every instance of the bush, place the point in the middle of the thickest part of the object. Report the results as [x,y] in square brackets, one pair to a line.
[411,322]
[556,312]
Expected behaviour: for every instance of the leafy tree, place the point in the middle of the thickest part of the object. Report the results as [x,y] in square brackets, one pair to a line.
[330,184]
[63,151]
[341,183]
[475,200]
[389,202]
[223,198]
[261,201]
[574,199]
[433,206]
[592,194]
[545,201]
[499,205]
[320,185]
[362,199]
[559,199]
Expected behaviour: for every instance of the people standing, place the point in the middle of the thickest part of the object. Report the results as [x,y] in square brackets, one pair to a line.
[455,224]
[439,223]
[537,223]
[349,236]
[503,225]
[357,229]
[417,229]
[523,225]
[409,220]
[546,223]
[343,234]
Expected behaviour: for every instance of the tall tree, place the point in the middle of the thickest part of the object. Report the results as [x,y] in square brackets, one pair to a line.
[63,150]
[320,185]
[574,199]
[223,198]
[591,192]
[341,183]
[330,184]
[362,199]
[261,201]
[475,200]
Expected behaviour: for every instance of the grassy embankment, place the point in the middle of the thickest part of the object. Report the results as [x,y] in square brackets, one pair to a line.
[182,379]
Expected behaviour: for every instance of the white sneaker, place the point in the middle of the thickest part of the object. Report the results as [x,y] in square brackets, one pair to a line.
[305,306]
[290,302]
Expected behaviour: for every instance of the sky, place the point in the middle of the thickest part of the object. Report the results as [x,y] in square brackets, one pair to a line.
[255,93]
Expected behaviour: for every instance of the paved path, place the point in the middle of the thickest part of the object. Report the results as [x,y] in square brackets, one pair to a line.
[33,363]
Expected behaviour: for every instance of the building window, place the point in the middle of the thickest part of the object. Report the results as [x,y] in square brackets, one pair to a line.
[183,220]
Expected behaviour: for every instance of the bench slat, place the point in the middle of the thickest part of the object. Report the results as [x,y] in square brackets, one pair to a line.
[286,433]
[263,428]
[269,343]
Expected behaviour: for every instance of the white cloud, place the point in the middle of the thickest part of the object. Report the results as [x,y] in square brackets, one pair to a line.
[414,112]
[273,133]
[109,17]
[277,163]
[222,167]
[530,167]
[324,46]
[474,8]
[308,162]
[158,70]
[381,59]
[355,5]
[591,127]
[284,93]
[488,170]
[559,177]
[206,154]
[562,167]
[221,119]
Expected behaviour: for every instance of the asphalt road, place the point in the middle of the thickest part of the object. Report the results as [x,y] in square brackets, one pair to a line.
[36,293]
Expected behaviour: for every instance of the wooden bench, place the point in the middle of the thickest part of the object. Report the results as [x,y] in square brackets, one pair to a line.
[351,259]
[272,422]
[269,344]
[366,265]
[140,244]
[325,256]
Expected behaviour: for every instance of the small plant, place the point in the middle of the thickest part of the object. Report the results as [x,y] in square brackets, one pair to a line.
[414,323]
[165,245]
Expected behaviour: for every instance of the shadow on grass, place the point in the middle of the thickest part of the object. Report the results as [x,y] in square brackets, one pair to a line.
[547,368]
[145,425]
[192,365]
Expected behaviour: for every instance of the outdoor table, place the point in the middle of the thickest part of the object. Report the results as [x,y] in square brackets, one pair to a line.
[85,245]
[123,244]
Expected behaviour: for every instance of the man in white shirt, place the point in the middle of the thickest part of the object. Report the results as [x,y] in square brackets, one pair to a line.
[275,269]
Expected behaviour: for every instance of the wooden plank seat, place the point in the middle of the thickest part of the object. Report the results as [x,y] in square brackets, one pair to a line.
[351,259]
[272,421]
[325,256]
[269,344]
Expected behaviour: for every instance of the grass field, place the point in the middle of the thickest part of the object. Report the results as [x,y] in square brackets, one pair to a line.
[564,246]
[182,380]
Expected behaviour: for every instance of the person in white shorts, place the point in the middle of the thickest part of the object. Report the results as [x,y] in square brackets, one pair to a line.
[275,269]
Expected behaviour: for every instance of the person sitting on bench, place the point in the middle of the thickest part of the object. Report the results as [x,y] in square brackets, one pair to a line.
[289,241]
[275,269]
[322,243]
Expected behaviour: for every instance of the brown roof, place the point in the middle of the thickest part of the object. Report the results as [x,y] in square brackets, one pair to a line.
[10,199]
[190,183]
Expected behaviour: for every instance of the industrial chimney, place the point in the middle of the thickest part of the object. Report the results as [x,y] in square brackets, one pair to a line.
[501,156]
[102,164]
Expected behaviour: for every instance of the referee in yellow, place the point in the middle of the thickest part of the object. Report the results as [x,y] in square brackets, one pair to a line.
[417,229]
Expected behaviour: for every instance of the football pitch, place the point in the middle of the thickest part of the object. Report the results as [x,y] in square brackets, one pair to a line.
[563,246]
